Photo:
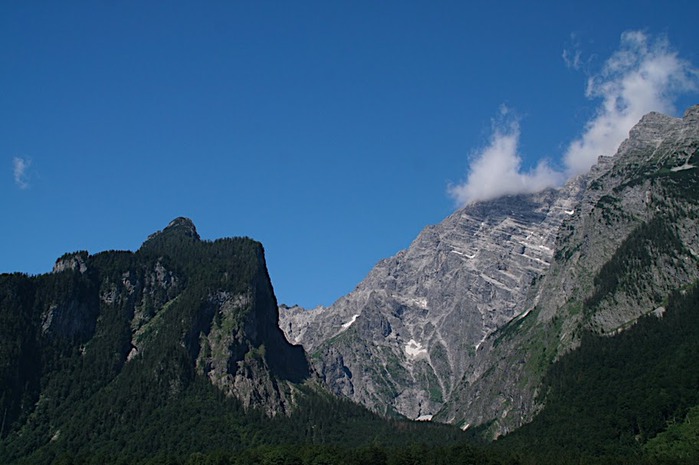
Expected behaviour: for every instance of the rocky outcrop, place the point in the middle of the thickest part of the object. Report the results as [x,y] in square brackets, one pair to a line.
[244,355]
[233,337]
[72,261]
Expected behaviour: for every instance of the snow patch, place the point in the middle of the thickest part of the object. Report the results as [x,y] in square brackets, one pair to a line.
[349,323]
[414,348]
[536,259]
[463,254]
[522,315]
[569,212]
[686,166]
[424,418]
[529,246]
[495,282]
[509,275]
[659,312]
[419,302]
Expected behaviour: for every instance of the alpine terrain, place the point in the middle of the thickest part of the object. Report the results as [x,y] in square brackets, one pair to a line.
[464,324]
[173,354]
[564,323]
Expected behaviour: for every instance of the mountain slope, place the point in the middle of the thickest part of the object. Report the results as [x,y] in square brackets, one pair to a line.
[610,400]
[106,341]
[466,322]
[632,242]
[401,341]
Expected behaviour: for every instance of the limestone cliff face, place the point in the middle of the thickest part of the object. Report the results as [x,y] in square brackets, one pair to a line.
[403,339]
[465,322]
[631,241]
[246,357]
[232,336]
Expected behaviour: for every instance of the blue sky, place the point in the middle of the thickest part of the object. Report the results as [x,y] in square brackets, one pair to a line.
[332,132]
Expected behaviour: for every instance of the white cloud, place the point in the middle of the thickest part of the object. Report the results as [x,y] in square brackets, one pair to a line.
[641,76]
[20,167]
[496,170]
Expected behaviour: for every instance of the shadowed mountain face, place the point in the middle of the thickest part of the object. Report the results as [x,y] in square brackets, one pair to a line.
[466,321]
[149,322]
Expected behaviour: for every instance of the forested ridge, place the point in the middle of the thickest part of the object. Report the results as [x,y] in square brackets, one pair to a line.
[101,362]
[77,389]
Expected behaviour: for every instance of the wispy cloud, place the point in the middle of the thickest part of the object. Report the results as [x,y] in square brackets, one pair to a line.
[20,168]
[572,55]
[572,58]
[643,75]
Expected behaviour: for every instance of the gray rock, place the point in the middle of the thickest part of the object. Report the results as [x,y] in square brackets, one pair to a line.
[631,242]
[466,321]
[401,341]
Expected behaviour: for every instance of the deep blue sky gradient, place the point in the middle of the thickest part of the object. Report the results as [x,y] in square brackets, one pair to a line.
[329,131]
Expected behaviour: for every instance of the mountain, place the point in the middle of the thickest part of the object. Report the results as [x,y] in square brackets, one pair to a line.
[172,354]
[401,340]
[631,243]
[105,329]
[564,322]
[466,322]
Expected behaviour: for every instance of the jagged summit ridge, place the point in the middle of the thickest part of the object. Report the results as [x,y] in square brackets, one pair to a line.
[632,241]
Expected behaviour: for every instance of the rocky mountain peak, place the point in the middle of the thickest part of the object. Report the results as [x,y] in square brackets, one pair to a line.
[434,325]
[631,242]
[692,114]
[421,313]
[177,233]
[177,312]
[183,226]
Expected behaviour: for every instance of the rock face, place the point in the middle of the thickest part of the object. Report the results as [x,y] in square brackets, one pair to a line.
[632,241]
[402,340]
[465,322]
[232,335]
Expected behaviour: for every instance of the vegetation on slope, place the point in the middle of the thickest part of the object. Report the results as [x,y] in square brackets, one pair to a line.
[75,388]
[607,399]
[72,393]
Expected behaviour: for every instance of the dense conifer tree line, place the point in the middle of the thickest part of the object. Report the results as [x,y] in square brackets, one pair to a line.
[609,399]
